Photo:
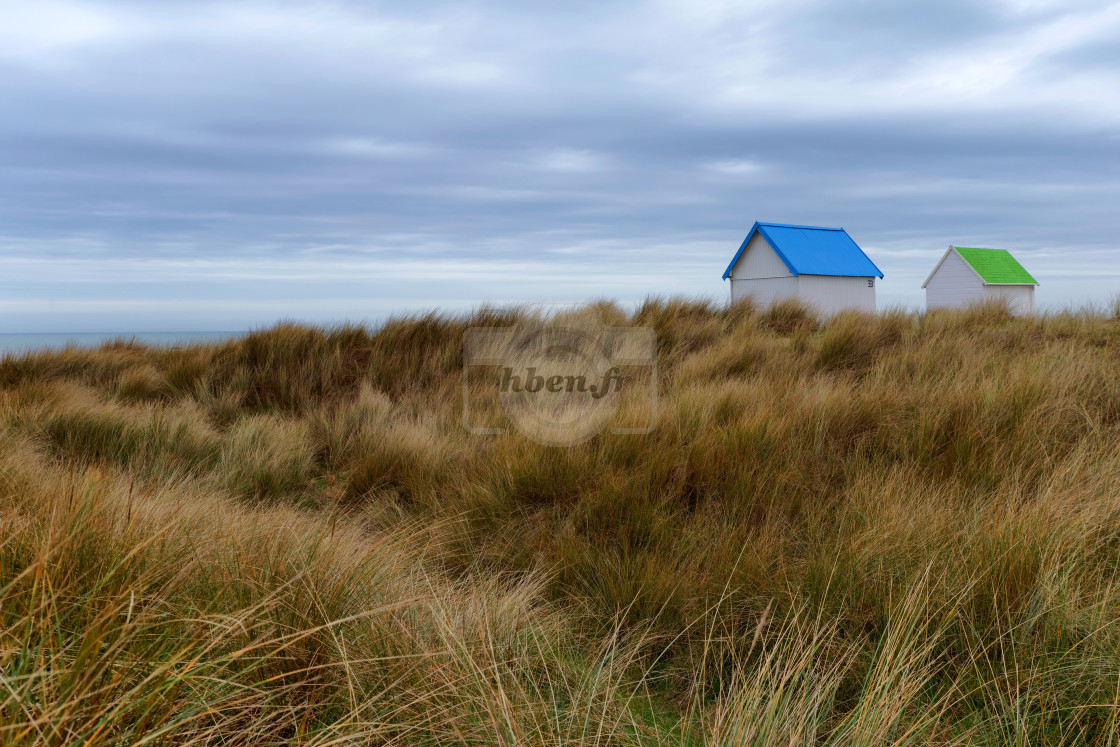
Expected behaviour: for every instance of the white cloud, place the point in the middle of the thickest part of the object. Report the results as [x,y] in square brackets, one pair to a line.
[994,73]
[448,49]
[735,166]
[34,29]
[443,49]
[754,60]
[570,161]
[366,147]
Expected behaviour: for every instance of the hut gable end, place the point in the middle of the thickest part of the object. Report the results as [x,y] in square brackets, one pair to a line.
[759,260]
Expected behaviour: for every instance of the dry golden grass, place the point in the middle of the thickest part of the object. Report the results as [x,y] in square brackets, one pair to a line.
[867,530]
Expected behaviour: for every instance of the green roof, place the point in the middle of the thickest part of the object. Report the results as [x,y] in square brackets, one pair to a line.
[996,266]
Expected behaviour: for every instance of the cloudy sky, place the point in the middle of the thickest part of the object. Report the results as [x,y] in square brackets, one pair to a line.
[211,166]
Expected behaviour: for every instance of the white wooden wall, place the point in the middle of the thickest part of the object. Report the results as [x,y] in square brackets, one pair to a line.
[1020,298]
[954,284]
[827,293]
[832,293]
[764,290]
[759,260]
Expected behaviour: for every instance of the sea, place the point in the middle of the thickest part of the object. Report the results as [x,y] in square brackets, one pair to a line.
[15,343]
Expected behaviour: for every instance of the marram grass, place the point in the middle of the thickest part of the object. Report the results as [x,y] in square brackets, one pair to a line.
[874,530]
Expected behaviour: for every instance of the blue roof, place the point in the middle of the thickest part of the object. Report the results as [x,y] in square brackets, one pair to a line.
[812,250]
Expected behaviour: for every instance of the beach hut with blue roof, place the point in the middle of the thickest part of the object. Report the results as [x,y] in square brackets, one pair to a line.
[822,267]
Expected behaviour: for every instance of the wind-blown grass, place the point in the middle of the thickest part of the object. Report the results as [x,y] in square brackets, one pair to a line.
[865,530]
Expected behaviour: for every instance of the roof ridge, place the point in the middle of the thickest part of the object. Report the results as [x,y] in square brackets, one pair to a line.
[794,225]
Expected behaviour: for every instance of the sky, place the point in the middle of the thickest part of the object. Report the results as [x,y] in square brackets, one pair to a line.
[224,165]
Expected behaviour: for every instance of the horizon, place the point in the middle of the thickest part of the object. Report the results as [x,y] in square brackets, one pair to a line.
[1105,306]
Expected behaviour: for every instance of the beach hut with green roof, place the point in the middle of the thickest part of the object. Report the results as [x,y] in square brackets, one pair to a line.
[965,276]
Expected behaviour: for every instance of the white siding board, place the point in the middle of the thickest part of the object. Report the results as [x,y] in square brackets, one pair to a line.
[765,291]
[759,260]
[828,294]
[834,293]
[1020,298]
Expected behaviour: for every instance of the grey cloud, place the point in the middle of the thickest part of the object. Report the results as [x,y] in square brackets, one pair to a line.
[602,144]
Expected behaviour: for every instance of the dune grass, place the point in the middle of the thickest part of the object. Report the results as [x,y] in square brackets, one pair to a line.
[869,530]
